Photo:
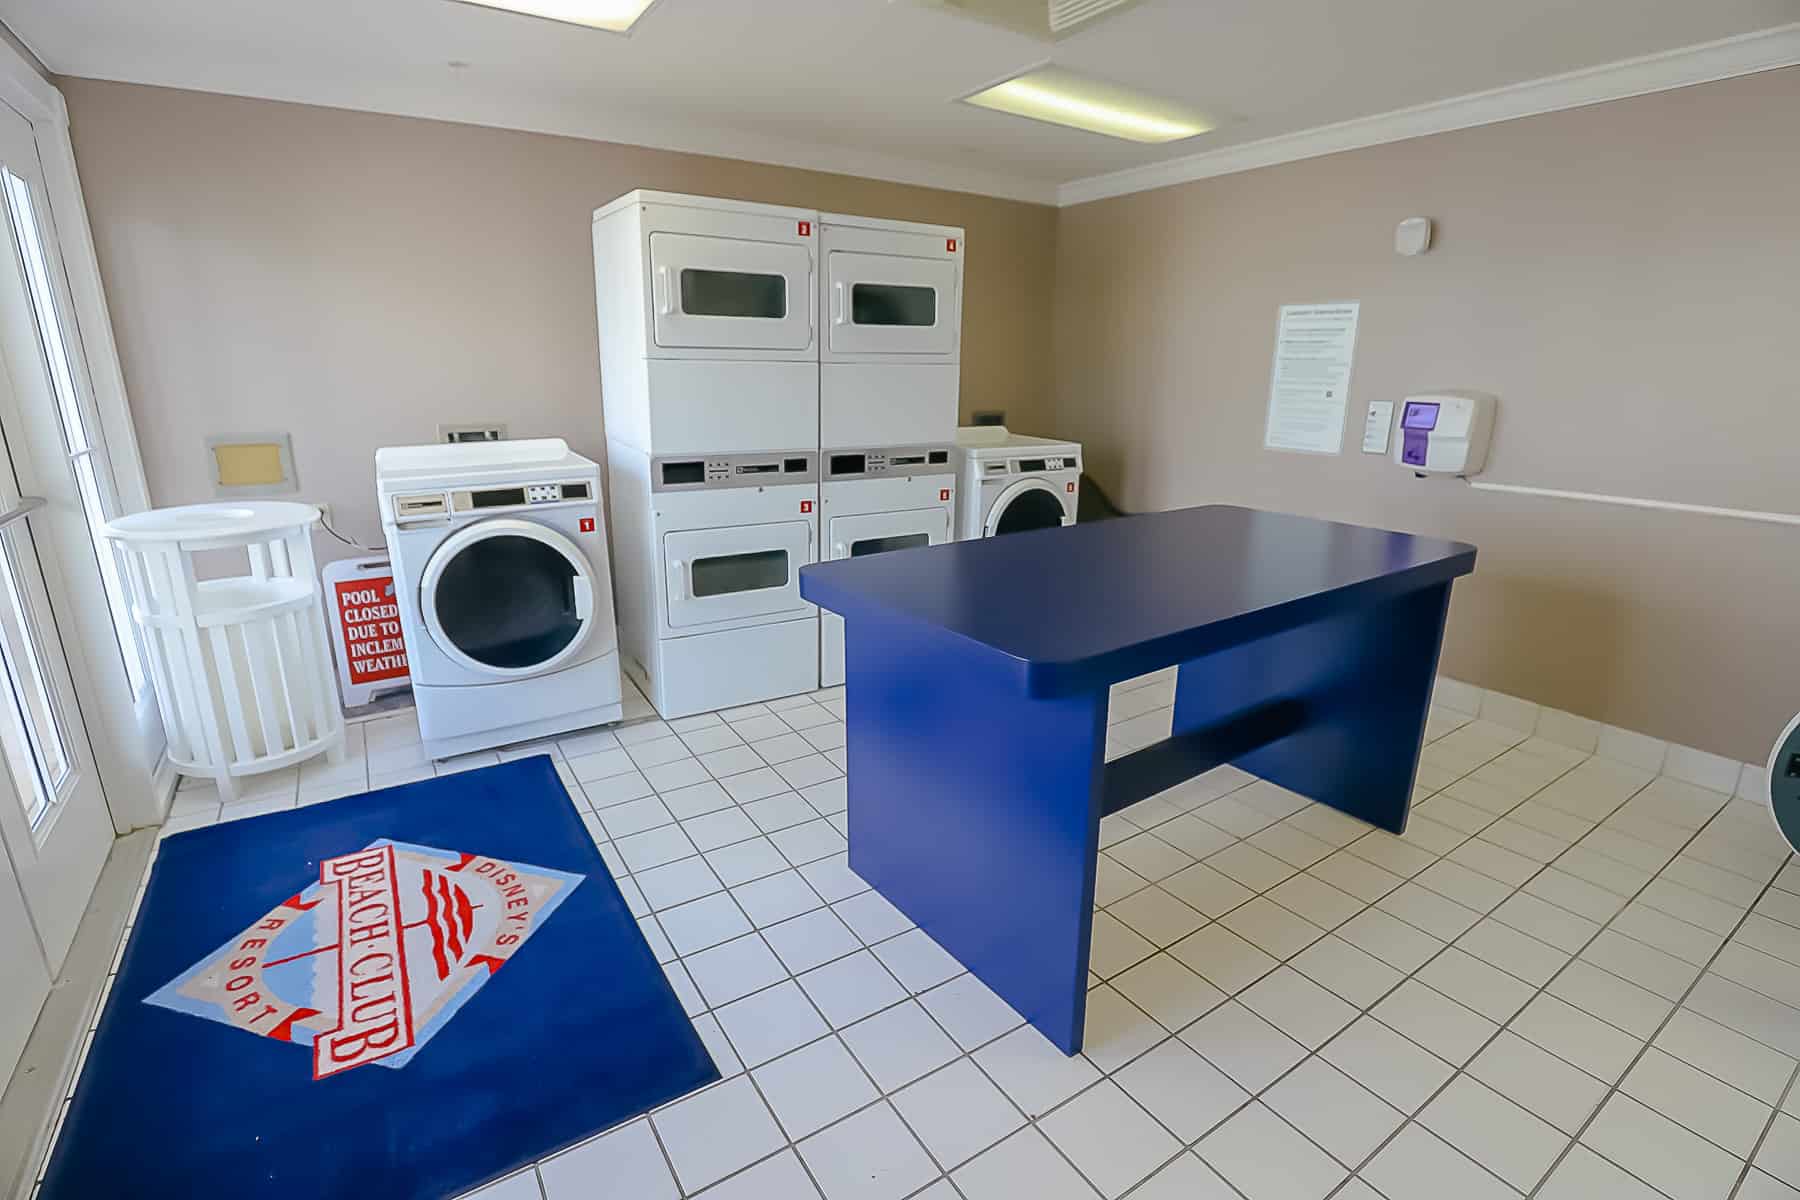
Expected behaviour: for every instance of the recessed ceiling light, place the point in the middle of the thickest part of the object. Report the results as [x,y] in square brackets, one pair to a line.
[615,16]
[1065,98]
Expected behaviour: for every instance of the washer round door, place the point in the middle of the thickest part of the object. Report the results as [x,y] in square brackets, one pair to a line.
[508,598]
[1026,504]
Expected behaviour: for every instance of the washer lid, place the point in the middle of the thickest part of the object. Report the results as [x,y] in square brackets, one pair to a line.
[509,598]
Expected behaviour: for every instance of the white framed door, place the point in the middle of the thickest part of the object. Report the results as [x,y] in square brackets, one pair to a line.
[890,304]
[717,293]
[735,572]
[54,821]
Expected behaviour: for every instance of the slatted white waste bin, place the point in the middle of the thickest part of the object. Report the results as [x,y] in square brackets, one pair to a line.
[240,666]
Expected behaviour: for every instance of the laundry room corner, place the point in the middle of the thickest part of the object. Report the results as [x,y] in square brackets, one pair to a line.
[358,280]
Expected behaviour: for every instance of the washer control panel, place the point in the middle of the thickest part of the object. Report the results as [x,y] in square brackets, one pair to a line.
[421,506]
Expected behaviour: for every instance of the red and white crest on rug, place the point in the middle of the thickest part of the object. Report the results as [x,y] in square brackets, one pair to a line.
[369,962]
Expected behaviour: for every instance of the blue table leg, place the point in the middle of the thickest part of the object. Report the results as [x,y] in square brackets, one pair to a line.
[975,809]
[1364,680]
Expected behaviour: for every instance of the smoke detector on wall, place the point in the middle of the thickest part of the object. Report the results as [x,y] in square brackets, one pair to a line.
[1046,20]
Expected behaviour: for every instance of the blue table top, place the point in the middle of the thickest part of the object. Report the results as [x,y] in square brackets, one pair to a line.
[1086,606]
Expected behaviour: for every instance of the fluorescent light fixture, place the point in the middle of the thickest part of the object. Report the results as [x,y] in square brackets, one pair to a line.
[1065,98]
[615,16]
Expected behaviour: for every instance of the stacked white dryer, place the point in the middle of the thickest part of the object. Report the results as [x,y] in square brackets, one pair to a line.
[710,372]
[890,350]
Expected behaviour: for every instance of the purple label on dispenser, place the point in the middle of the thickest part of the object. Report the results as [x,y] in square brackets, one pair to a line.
[1412,450]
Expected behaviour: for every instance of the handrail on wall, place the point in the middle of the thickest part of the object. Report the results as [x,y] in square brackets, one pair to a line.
[1704,510]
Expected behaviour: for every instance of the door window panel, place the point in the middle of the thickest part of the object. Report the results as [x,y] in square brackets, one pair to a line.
[508,601]
[92,481]
[31,732]
[881,545]
[727,573]
[892,304]
[732,294]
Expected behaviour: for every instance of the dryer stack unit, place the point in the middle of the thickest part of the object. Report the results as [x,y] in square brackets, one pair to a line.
[709,368]
[890,363]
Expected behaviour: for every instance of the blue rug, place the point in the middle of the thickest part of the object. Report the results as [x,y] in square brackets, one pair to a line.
[497,1003]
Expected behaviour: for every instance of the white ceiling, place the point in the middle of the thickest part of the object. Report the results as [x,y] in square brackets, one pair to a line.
[865,86]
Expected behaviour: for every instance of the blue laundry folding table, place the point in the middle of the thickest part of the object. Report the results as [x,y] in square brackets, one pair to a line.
[977,680]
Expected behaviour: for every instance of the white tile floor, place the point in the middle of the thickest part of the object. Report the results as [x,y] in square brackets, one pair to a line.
[1571,979]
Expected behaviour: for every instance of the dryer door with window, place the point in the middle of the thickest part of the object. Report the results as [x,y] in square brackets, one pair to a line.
[871,533]
[509,598]
[736,572]
[1027,504]
[889,304]
[876,533]
[730,294]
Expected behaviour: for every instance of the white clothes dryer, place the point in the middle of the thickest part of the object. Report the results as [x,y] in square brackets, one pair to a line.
[710,550]
[502,577]
[708,324]
[875,501]
[890,332]
[1010,482]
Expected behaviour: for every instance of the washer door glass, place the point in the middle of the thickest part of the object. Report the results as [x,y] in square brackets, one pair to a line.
[1034,508]
[508,602]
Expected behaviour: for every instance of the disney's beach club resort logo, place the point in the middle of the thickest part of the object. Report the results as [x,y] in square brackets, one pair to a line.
[370,962]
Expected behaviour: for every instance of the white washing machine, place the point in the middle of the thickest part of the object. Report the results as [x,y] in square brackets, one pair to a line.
[875,501]
[710,614]
[1010,482]
[502,577]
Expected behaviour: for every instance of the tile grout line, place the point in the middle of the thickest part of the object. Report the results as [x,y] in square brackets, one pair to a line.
[1650,1043]
[884,1097]
[1768,1126]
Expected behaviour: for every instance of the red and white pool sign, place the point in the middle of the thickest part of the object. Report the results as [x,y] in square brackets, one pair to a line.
[365,628]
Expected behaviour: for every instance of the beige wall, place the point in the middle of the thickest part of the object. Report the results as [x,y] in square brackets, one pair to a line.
[1622,276]
[1625,277]
[357,279]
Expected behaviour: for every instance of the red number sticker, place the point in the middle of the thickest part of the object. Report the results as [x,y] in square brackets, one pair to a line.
[1068,487]
[806,506]
[943,493]
[950,245]
[587,524]
[806,230]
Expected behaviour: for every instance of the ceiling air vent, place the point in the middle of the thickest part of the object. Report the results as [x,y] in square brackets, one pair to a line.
[1046,20]
[1066,16]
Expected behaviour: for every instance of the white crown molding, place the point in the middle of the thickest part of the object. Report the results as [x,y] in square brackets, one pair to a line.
[577,121]
[1743,55]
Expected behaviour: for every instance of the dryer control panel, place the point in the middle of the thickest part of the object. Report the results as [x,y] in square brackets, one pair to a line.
[887,462]
[771,469]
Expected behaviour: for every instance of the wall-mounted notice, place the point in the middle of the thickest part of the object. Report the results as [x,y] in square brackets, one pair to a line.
[1310,382]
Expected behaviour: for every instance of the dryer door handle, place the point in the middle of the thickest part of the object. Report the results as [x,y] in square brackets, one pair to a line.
[584,597]
[665,288]
[677,579]
[839,550]
[837,303]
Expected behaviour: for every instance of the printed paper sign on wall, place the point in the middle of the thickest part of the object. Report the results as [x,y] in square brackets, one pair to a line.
[1310,382]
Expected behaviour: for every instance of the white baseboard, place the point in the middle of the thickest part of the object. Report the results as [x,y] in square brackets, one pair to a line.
[1686,763]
